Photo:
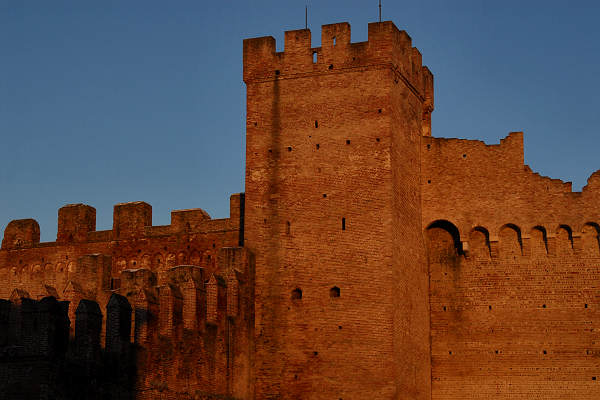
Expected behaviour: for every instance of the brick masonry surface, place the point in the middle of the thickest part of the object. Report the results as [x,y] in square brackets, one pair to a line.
[365,260]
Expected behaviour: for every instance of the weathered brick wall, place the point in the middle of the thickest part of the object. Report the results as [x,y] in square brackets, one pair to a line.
[45,269]
[330,196]
[163,272]
[514,275]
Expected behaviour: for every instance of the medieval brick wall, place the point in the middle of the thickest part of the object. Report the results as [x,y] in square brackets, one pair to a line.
[165,275]
[514,275]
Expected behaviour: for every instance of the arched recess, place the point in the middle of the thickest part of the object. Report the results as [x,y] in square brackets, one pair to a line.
[511,242]
[539,241]
[564,240]
[443,241]
[590,235]
[195,258]
[181,258]
[146,261]
[158,262]
[479,243]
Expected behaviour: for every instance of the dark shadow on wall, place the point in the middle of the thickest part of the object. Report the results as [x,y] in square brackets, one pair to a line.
[38,360]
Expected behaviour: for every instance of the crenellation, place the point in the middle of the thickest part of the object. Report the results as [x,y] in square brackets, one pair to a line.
[75,221]
[20,234]
[387,47]
[130,219]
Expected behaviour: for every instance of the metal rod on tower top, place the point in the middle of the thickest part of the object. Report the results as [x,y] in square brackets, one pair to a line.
[379,10]
[306,17]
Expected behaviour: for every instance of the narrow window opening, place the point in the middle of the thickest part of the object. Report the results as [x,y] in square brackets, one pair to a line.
[496,351]
[545,352]
[270,150]
[296,294]
[287,227]
[464,156]
[316,353]
[316,124]
[314,57]
[379,111]
[213,245]
[586,306]
[334,292]
[343,224]
[334,40]
[339,327]
[347,141]
[378,140]
[428,181]
[490,307]
[593,378]
[289,148]
[277,72]
[325,195]
[318,146]
[444,308]
[544,306]
[330,66]
[450,352]
[428,146]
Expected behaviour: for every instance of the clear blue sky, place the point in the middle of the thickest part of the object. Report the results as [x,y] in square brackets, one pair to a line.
[112,101]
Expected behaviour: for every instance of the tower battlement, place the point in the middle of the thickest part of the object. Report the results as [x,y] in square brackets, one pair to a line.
[387,47]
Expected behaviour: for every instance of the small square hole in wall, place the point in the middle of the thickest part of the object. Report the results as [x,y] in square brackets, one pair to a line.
[428,146]
[347,141]
[586,306]
[318,146]
[379,111]
[324,195]
[277,72]
[330,66]
[290,148]
[545,352]
[378,140]
[343,224]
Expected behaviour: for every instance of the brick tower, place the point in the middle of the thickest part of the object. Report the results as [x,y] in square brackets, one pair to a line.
[333,214]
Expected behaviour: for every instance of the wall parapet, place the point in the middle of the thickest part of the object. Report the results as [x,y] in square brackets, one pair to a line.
[387,46]
[77,224]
